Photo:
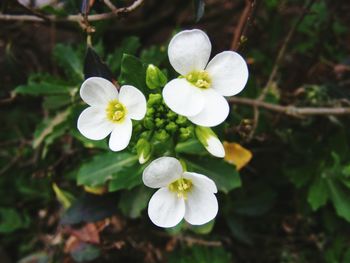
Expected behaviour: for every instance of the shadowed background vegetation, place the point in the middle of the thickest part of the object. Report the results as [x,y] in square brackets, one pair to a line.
[67,199]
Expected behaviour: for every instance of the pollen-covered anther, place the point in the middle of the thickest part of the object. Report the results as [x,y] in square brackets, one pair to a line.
[181,187]
[115,111]
[199,79]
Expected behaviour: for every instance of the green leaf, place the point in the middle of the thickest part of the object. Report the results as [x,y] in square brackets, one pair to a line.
[191,146]
[70,60]
[55,102]
[129,45]
[10,220]
[224,175]
[39,85]
[103,167]
[133,72]
[63,197]
[85,252]
[155,55]
[318,193]
[46,127]
[133,202]
[340,199]
[203,229]
[127,178]
[238,230]
[90,208]
[198,254]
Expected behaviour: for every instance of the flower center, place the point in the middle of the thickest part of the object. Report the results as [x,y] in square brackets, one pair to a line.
[199,79]
[181,187]
[115,111]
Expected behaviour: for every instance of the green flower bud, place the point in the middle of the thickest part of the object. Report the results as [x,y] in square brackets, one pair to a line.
[144,150]
[148,123]
[159,123]
[171,127]
[210,141]
[161,135]
[171,115]
[181,120]
[154,99]
[186,133]
[150,112]
[155,78]
[145,135]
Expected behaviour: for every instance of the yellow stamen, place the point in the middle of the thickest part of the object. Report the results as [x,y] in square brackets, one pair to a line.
[199,79]
[115,111]
[181,187]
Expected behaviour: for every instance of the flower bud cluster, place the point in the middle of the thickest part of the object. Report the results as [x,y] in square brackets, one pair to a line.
[159,126]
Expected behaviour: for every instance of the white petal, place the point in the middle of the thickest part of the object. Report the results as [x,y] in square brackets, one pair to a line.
[121,135]
[183,98]
[97,91]
[134,101]
[162,172]
[93,124]
[189,50]
[214,112]
[215,147]
[201,206]
[165,209]
[228,72]
[201,181]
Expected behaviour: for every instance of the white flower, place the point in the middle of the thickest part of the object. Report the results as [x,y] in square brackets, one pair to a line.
[198,94]
[110,111]
[181,194]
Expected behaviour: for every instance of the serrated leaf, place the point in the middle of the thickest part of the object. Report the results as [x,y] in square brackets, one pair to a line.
[102,168]
[95,67]
[318,193]
[133,72]
[224,175]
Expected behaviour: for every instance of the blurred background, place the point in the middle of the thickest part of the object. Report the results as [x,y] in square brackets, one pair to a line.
[289,204]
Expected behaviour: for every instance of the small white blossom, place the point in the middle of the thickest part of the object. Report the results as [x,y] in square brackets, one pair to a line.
[198,93]
[181,195]
[110,111]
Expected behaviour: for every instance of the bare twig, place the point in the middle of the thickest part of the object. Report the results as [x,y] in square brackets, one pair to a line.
[283,49]
[277,64]
[110,5]
[242,24]
[73,18]
[291,110]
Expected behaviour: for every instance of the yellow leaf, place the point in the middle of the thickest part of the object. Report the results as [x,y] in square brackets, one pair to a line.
[98,190]
[237,155]
[63,197]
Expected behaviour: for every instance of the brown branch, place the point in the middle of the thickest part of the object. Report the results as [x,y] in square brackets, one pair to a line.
[73,18]
[242,24]
[277,64]
[283,49]
[110,5]
[291,110]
